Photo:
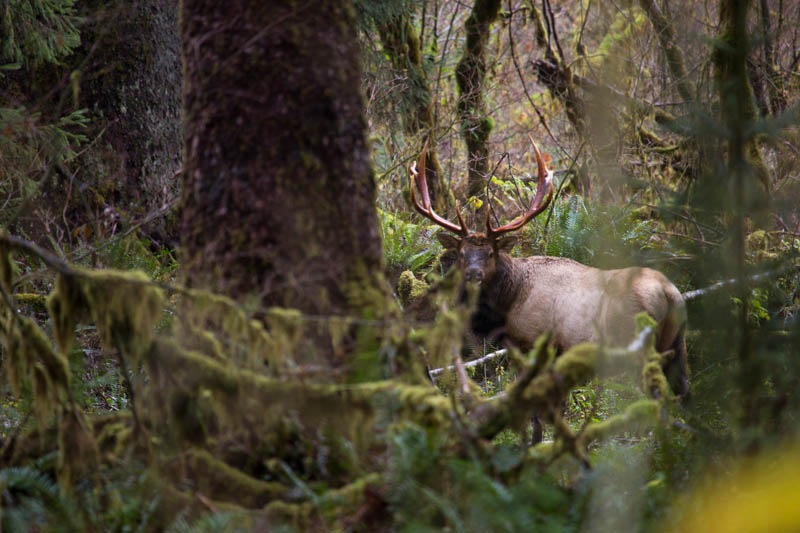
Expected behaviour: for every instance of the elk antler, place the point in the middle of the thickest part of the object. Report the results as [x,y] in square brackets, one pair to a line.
[544,193]
[425,209]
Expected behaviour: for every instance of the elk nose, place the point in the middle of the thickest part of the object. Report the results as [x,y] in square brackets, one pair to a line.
[473,274]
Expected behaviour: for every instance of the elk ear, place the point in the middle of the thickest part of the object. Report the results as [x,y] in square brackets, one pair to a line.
[447,240]
[505,244]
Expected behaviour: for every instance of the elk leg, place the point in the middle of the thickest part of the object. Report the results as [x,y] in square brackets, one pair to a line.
[537,433]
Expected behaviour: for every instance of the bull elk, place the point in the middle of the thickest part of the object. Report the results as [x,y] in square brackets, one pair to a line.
[521,298]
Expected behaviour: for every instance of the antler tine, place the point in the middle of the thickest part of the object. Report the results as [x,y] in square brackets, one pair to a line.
[425,209]
[544,193]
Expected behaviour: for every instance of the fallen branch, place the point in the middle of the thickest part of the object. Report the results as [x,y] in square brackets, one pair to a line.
[470,364]
[691,295]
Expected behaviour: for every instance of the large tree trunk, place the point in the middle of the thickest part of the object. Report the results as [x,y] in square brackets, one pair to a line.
[132,84]
[278,198]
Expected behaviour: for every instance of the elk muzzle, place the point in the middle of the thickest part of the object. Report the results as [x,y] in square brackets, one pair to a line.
[474,274]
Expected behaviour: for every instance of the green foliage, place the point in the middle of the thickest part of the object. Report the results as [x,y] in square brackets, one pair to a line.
[38,31]
[382,11]
[31,500]
[408,246]
[132,253]
[30,150]
[429,490]
[604,236]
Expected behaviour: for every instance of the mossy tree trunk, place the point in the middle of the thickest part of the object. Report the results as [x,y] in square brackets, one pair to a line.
[774,81]
[732,82]
[739,112]
[401,42]
[126,73]
[676,63]
[476,125]
[278,198]
[557,76]
[131,83]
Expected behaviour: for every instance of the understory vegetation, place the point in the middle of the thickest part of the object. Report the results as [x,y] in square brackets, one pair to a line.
[131,400]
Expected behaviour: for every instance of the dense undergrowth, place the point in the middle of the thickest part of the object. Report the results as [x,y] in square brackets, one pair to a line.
[129,402]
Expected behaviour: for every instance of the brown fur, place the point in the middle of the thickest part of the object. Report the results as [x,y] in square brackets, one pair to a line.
[524,297]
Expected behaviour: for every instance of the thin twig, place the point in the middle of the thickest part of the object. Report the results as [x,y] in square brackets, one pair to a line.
[539,114]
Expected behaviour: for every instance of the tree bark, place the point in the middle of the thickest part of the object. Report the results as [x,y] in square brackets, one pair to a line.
[775,88]
[732,82]
[127,73]
[402,43]
[134,84]
[278,198]
[666,37]
[476,125]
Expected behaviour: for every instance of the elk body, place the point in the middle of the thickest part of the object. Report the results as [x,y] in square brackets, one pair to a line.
[521,298]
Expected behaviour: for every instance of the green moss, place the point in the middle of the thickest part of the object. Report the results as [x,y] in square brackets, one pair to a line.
[78,449]
[638,418]
[37,349]
[36,301]
[333,505]
[577,365]
[486,126]
[67,305]
[125,306]
[223,482]
[409,288]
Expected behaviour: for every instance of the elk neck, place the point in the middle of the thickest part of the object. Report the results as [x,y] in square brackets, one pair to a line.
[497,295]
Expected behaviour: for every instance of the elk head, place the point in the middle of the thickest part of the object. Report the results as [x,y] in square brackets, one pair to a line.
[478,253]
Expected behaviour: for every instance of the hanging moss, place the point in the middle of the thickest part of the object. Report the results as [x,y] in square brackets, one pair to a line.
[638,418]
[316,403]
[45,399]
[207,316]
[222,482]
[36,347]
[125,307]
[6,269]
[67,304]
[78,453]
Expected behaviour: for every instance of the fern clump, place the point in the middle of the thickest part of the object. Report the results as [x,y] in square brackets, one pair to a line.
[597,235]
[408,246]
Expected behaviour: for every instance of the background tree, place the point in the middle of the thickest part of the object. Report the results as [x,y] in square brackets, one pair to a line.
[292,221]
[105,75]
[476,123]
[401,41]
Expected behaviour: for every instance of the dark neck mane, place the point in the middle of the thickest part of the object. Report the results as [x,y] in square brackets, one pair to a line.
[494,302]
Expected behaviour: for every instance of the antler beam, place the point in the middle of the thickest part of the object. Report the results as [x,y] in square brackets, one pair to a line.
[544,193]
[425,209]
